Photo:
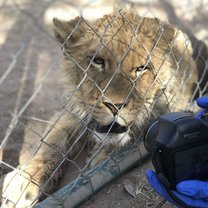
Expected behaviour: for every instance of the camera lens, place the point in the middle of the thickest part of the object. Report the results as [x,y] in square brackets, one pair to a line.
[151,136]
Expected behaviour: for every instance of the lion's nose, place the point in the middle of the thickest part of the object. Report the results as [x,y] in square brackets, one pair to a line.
[114,107]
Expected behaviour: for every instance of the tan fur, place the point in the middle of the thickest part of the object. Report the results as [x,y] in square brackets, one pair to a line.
[126,42]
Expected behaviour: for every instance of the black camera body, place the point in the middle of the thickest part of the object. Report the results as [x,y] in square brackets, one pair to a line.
[179,146]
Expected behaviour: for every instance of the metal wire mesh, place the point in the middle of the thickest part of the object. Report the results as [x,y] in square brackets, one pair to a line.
[120,72]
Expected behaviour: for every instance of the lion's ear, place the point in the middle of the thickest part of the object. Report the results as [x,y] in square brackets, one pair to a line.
[74,28]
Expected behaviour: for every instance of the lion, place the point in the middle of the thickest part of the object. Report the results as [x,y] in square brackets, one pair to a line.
[120,71]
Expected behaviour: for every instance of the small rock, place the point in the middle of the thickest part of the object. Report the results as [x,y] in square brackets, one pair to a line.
[130,189]
[109,191]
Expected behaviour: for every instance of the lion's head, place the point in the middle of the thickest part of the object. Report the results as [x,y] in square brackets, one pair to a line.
[122,66]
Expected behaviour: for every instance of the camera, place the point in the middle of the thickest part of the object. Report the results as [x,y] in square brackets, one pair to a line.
[178,143]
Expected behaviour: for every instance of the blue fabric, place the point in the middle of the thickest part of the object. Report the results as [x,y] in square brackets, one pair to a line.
[192,193]
[194,188]
[202,102]
[157,185]
[200,113]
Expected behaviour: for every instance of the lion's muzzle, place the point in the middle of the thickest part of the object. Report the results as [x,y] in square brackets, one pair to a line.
[114,107]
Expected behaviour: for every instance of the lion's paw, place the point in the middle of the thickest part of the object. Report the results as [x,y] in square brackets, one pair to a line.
[18,191]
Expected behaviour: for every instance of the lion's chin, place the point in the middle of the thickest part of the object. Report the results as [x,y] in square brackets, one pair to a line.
[111,128]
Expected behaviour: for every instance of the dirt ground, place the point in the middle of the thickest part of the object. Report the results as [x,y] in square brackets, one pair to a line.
[30,81]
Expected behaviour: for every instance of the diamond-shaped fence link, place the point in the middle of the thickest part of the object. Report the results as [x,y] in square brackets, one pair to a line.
[68,131]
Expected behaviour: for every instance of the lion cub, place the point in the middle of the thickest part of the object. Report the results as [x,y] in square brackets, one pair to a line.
[120,71]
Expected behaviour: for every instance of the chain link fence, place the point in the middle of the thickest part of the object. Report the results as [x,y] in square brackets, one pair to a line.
[118,72]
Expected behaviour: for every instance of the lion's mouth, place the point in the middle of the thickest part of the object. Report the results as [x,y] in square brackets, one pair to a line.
[111,128]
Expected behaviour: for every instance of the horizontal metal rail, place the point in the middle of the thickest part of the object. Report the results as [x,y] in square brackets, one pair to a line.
[93,180]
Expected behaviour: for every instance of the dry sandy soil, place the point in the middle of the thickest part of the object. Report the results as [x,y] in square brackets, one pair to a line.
[30,81]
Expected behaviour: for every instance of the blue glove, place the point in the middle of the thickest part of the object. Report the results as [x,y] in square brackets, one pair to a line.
[203,103]
[189,193]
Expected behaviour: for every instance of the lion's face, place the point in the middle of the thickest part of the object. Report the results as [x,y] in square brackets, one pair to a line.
[121,65]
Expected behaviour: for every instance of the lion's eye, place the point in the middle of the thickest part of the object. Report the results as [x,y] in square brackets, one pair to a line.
[97,62]
[141,70]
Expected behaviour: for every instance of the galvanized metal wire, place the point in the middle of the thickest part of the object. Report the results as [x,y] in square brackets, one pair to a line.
[30,75]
